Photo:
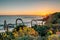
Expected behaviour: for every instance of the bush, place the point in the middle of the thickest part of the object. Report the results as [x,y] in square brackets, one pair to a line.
[53,37]
[42,30]
[25,31]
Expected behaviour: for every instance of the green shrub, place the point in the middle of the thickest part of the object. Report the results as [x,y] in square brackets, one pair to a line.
[42,30]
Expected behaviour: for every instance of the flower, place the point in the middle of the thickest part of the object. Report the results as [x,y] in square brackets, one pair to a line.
[52,37]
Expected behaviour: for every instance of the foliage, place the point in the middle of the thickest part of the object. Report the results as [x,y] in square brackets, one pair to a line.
[54,37]
[58,21]
[24,34]
[42,30]
[6,36]
[55,18]
[25,31]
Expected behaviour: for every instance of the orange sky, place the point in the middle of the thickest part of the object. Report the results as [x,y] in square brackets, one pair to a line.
[41,13]
[27,7]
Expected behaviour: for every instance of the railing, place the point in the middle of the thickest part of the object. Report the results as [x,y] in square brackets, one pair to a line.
[20,20]
[35,20]
[7,26]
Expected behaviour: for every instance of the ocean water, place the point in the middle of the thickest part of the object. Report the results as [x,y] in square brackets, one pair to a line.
[12,19]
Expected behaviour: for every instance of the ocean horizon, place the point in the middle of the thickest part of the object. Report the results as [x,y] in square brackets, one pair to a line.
[11,19]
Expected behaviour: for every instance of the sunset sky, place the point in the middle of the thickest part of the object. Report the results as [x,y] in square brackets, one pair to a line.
[29,7]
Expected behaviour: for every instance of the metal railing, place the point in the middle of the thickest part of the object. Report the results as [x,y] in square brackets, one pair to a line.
[35,20]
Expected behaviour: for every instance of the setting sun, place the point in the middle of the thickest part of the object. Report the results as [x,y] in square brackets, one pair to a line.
[29,7]
[29,19]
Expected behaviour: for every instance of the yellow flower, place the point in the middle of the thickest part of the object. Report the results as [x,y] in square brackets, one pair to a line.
[25,31]
[15,34]
[50,31]
[5,34]
[52,37]
[20,30]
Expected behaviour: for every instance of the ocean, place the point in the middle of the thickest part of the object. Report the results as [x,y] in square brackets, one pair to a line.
[12,19]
